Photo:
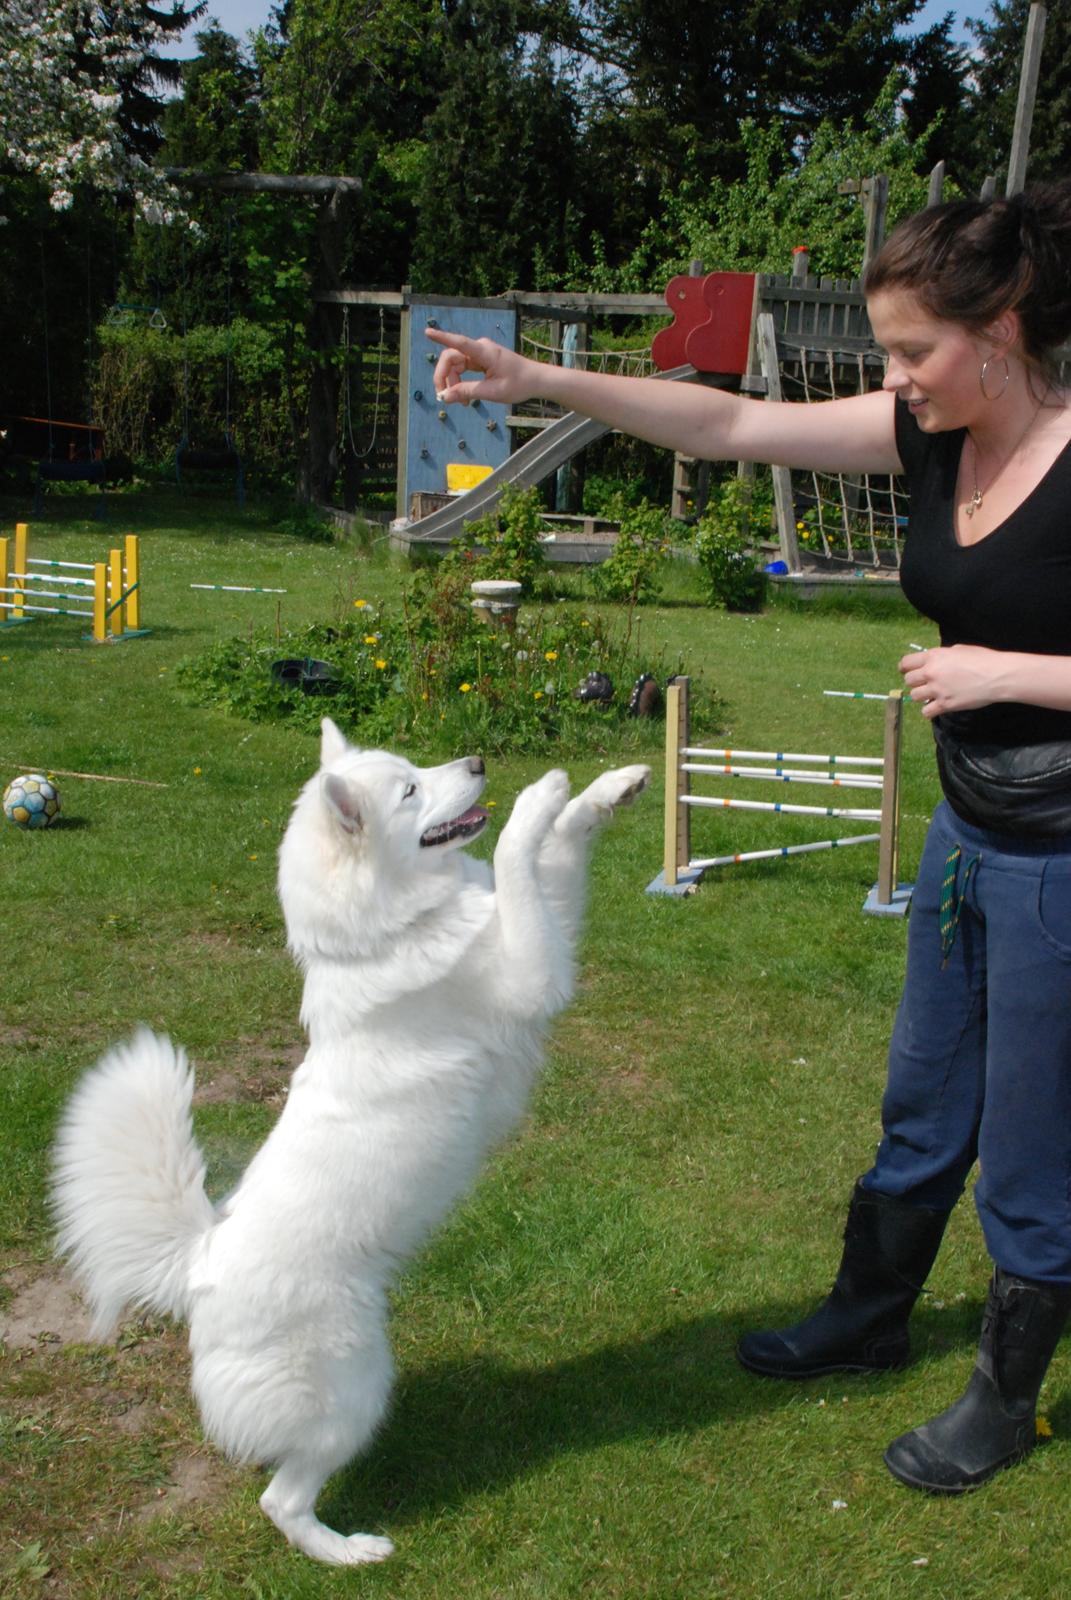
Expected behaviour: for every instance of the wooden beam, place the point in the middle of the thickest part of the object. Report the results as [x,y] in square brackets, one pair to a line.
[1024,110]
[262,182]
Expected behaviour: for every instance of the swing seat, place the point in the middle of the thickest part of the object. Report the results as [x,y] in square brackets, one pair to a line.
[95,471]
[224,459]
[71,471]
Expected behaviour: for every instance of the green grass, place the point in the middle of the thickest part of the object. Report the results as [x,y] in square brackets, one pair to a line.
[569,1419]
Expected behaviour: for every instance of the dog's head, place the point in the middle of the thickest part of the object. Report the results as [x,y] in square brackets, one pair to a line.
[368,838]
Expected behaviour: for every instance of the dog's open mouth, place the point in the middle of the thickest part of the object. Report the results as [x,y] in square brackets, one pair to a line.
[466,826]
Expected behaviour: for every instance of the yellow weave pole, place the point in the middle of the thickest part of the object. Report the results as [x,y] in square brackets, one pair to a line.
[115,592]
[100,602]
[131,579]
[5,579]
[22,552]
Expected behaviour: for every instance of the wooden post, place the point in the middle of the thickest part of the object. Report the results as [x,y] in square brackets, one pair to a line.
[678,843]
[937,185]
[684,467]
[989,187]
[405,333]
[889,842]
[875,200]
[1024,110]
[782,477]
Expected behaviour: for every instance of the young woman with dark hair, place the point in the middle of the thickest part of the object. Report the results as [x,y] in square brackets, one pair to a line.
[970,302]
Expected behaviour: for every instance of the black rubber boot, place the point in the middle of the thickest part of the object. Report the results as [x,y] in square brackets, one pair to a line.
[993,1423]
[889,1248]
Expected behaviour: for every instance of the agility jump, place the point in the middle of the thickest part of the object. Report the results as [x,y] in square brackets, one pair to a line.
[880,775]
[106,593]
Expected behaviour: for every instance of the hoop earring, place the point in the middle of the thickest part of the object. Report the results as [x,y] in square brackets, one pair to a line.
[985,369]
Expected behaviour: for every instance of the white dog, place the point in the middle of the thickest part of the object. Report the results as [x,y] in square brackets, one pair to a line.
[428,985]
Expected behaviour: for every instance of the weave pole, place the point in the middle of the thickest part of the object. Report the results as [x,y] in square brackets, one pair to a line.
[108,600]
[880,775]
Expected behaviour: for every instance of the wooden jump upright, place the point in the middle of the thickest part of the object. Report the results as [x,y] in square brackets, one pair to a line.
[681,872]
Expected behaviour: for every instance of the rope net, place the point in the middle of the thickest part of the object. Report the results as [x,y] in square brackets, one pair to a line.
[857,519]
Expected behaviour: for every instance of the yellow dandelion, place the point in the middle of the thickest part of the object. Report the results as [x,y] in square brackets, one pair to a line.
[538,695]
[252,858]
[464,688]
[380,663]
[371,638]
[197,772]
[1042,1427]
[360,604]
[550,655]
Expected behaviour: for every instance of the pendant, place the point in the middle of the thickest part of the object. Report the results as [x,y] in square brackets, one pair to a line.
[975,501]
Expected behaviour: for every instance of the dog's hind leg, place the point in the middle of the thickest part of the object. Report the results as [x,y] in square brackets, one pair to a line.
[290,1501]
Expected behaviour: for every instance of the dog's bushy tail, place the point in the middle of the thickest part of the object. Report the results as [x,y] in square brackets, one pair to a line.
[128,1191]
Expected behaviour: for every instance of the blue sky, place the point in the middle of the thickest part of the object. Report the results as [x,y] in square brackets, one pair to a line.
[238,17]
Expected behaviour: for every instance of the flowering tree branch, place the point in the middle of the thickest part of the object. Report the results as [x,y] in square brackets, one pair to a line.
[63,67]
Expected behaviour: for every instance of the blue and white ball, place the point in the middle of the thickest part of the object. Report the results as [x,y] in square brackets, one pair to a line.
[31,801]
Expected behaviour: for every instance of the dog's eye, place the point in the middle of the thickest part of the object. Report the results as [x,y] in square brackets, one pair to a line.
[410,791]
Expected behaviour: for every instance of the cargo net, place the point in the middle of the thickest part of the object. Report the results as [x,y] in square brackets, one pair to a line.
[538,345]
[843,520]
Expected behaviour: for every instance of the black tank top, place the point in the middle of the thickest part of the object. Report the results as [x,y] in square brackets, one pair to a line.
[1010,591]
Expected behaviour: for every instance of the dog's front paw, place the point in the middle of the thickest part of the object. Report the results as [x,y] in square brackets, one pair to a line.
[617,788]
[537,807]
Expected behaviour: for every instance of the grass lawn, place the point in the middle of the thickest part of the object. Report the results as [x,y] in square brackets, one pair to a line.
[569,1418]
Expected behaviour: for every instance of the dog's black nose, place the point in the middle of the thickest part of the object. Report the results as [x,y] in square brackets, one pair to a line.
[476,766]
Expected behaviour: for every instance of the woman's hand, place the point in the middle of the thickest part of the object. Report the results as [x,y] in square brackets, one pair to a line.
[508,377]
[958,677]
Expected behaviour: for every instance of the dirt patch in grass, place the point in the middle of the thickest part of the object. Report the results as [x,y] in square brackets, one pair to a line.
[250,1069]
[194,1478]
[44,1309]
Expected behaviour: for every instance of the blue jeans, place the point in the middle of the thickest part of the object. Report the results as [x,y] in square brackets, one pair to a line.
[980,1057]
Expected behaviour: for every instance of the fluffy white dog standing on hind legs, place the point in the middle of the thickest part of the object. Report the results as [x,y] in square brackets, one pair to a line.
[429,981]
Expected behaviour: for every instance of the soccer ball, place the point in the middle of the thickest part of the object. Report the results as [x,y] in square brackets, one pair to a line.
[31,801]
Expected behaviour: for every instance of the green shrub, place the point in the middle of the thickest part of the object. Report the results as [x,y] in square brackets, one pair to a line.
[724,548]
[631,572]
[435,675]
[508,543]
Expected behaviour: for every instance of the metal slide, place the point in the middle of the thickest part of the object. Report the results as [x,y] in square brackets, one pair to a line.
[533,462]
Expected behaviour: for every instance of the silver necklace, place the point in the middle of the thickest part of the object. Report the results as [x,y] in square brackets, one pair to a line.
[975,501]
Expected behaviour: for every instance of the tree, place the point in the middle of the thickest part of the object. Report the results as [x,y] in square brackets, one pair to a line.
[996,88]
[76,101]
[499,182]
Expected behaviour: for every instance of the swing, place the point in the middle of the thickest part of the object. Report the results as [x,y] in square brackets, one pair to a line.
[69,458]
[198,458]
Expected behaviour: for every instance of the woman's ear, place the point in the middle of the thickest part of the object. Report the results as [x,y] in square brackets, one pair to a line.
[1004,331]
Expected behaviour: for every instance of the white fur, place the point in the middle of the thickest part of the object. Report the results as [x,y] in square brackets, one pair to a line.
[428,984]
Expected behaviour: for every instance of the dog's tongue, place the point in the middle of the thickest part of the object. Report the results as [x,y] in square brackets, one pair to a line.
[469,822]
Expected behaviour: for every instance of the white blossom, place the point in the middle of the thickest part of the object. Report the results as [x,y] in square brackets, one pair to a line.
[61,62]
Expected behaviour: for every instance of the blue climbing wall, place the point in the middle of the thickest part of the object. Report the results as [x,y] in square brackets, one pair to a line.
[436,435]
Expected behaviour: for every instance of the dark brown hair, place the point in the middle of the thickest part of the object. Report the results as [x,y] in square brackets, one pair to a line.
[970,260]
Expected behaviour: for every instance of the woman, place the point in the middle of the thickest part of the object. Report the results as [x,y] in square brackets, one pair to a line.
[970,301]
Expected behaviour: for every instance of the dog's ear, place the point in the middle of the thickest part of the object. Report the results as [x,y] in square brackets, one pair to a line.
[343,801]
[333,742]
